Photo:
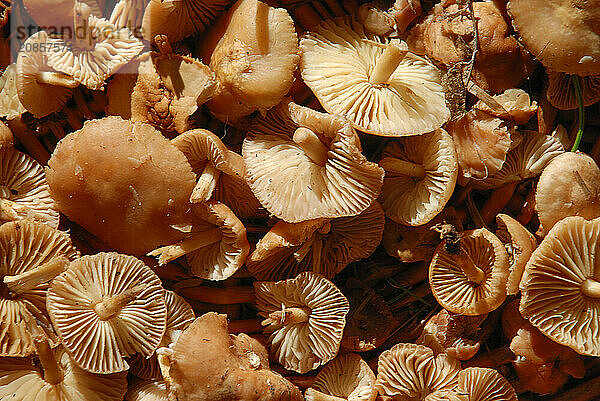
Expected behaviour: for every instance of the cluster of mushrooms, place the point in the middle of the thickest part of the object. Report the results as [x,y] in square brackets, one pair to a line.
[299,200]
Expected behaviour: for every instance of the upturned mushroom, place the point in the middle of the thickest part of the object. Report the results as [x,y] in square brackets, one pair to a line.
[380,86]
[481,384]
[304,317]
[302,164]
[106,307]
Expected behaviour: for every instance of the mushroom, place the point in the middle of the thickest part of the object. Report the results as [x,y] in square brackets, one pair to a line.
[473,280]
[561,34]
[421,173]
[216,247]
[412,372]
[482,384]
[112,304]
[147,390]
[392,21]
[302,164]
[207,363]
[324,246]
[515,105]
[568,186]
[563,267]
[560,92]
[380,86]
[31,255]
[304,317]
[519,244]
[220,172]
[123,182]
[254,59]
[10,104]
[24,192]
[347,377]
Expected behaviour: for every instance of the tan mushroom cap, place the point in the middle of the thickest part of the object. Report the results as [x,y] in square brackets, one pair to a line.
[180,19]
[220,172]
[323,246]
[305,317]
[473,281]
[302,164]
[563,268]
[123,182]
[560,92]
[421,174]
[41,89]
[568,186]
[379,86]
[519,244]
[516,104]
[483,384]
[31,254]
[10,104]
[96,52]
[563,35]
[149,390]
[105,307]
[24,192]
[348,377]
[412,372]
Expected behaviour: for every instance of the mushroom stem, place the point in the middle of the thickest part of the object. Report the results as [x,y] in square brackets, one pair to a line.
[287,316]
[111,306]
[262,27]
[53,374]
[314,395]
[29,280]
[311,145]
[590,288]
[388,62]
[198,240]
[56,79]
[403,167]
[206,184]
[473,273]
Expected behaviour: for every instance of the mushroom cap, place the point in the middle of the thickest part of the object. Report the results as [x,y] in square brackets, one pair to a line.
[279,254]
[414,201]
[148,390]
[560,269]
[302,347]
[20,380]
[138,327]
[517,104]
[562,34]
[528,159]
[348,376]
[410,371]
[452,287]
[24,246]
[483,384]
[106,50]
[10,104]
[560,92]
[123,182]
[22,181]
[39,99]
[519,244]
[568,186]
[289,184]
[254,60]
[337,60]
[180,19]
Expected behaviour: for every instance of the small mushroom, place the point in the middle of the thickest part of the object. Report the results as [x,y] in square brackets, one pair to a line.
[421,173]
[563,268]
[482,384]
[347,377]
[515,105]
[111,303]
[392,21]
[380,86]
[302,165]
[305,319]
[473,280]
[560,92]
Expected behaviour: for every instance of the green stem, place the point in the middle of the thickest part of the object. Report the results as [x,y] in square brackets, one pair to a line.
[579,95]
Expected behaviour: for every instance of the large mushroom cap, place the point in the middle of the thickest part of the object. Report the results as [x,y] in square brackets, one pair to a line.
[563,34]
[302,164]
[305,317]
[31,254]
[105,307]
[421,173]
[124,182]
[378,86]
[472,281]
[561,285]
